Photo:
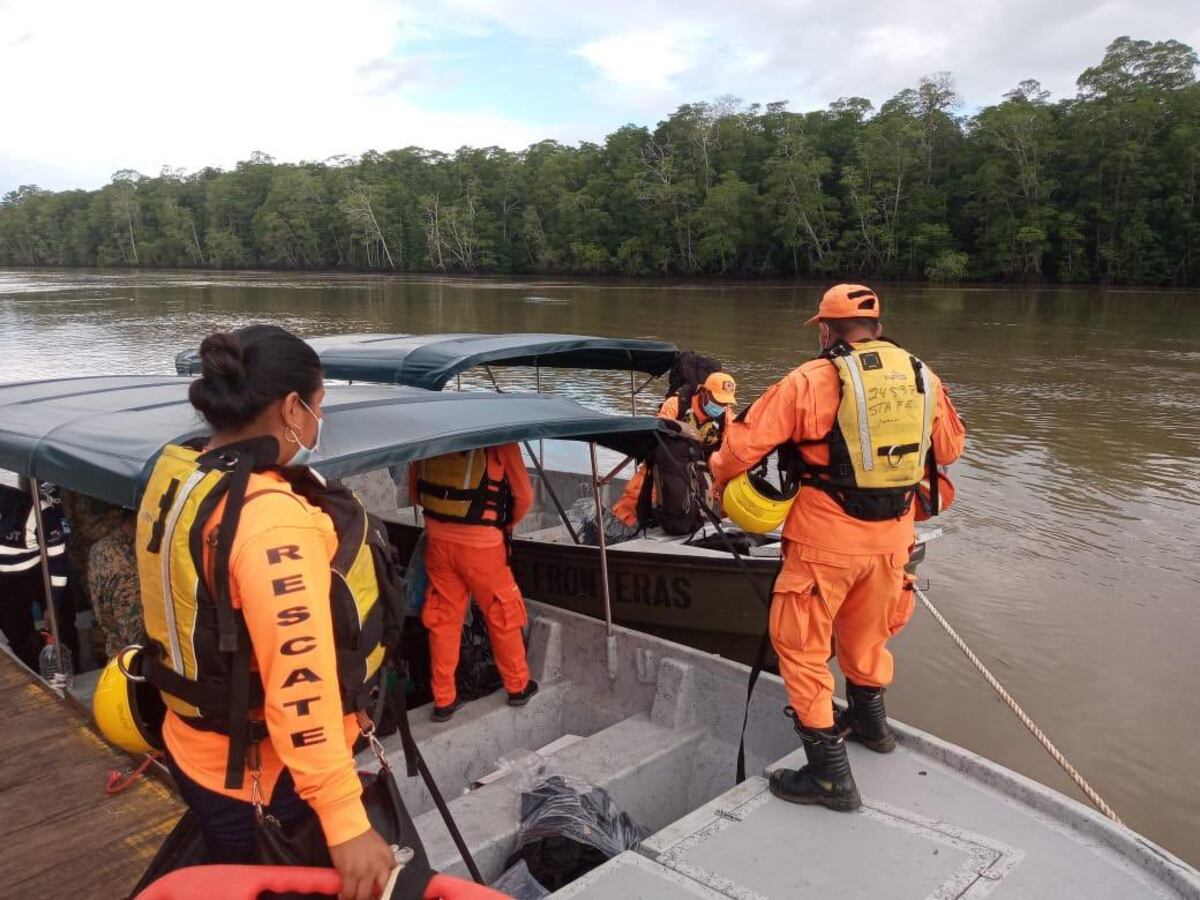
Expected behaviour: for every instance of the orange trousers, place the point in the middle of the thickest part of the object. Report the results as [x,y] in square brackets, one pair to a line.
[625,509]
[822,600]
[456,573]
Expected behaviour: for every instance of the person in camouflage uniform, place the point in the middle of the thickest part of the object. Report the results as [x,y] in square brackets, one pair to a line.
[113,583]
[89,520]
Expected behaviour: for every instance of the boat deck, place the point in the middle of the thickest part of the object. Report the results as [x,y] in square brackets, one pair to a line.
[61,835]
[937,820]
[924,830]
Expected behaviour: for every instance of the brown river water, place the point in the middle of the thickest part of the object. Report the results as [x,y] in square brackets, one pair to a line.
[1071,562]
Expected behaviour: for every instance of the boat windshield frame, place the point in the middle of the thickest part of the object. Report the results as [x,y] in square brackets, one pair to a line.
[87,435]
[431,361]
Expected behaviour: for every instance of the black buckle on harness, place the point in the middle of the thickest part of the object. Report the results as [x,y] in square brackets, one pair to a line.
[160,524]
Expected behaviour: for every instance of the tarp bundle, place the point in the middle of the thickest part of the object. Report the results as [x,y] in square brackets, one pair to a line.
[569,827]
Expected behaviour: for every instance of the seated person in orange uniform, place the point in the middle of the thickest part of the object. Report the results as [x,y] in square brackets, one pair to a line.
[472,501]
[847,537]
[704,415]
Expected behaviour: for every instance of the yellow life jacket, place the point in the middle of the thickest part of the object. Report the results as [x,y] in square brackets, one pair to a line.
[458,487]
[710,430]
[196,641]
[880,447]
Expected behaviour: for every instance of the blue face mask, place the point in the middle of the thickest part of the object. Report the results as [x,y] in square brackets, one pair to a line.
[713,409]
[302,456]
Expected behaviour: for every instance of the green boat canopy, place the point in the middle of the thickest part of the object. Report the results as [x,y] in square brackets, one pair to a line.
[431,360]
[100,436]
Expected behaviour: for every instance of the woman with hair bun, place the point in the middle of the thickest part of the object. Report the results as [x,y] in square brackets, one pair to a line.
[247,643]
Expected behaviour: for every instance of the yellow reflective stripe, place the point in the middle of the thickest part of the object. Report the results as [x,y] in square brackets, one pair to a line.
[860,401]
[375,660]
[468,469]
[927,421]
[168,546]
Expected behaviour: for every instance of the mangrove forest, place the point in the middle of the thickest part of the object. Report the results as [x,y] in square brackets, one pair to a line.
[1100,187]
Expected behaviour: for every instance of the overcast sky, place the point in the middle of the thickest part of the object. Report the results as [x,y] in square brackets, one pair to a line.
[90,87]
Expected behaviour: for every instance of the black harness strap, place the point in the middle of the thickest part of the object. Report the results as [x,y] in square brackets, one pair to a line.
[490,495]
[210,697]
[407,743]
[764,642]
[898,450]
[227,626]
[415,763]
[232,636]
[935,498]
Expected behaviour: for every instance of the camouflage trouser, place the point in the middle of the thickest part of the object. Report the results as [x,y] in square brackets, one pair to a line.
[89,521]
[116,599]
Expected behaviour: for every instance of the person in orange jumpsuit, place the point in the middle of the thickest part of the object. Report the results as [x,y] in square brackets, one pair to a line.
[466,555]
[842,577]
[256,382]
[706,417]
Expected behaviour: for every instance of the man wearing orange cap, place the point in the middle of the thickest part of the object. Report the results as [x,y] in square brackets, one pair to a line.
[869,421]
[703,412]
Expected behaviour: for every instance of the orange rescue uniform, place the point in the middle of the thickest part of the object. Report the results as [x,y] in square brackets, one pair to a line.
[303,706]
[625,509]
[464,561]
[841,577]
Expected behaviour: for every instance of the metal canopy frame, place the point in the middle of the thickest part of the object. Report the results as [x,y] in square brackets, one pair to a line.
[432,360]
[35,456]
[35,493]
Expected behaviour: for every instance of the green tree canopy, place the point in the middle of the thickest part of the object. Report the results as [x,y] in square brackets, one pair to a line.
[1103,186]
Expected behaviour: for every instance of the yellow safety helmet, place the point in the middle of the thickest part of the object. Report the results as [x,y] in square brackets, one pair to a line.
[755,505]
[128,710]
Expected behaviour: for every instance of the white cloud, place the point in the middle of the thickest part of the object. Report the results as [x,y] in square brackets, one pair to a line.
[89,88]
[810,52]
[645,59]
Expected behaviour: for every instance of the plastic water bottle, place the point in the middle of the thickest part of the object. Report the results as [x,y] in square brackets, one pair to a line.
[48,665]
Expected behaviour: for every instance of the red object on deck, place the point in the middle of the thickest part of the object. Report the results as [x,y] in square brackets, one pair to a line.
[247,882]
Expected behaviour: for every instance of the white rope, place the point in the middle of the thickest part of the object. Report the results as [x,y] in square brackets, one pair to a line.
[1037,732]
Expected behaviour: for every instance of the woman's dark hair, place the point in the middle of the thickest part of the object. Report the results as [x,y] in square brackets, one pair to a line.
[242,372]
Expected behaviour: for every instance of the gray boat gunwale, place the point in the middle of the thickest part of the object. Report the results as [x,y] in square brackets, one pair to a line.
[698,684]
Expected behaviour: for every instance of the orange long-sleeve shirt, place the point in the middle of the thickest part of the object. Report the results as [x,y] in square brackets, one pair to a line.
[503,462]
[802,407]
[280,575]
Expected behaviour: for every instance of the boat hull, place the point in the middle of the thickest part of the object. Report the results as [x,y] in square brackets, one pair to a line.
[660,590]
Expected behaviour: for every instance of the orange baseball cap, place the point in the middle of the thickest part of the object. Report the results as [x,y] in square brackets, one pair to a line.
[847,301]
[722,387]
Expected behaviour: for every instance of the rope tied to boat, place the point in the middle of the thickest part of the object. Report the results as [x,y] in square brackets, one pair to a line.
[1013,705]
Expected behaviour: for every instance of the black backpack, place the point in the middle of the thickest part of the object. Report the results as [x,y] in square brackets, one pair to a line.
[676,484]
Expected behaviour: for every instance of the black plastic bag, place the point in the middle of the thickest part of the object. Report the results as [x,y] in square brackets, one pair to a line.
[476,675]
[568,828]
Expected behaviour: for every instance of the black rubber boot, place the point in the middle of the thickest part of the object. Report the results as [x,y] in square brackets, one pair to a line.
[446,713]
[521,698]
[826,780]
[865,719]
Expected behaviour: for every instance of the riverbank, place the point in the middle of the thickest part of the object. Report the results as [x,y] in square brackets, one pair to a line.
[566,279]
